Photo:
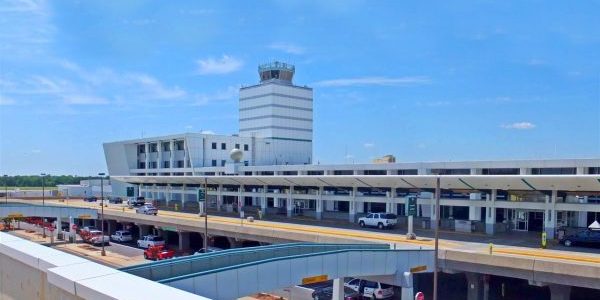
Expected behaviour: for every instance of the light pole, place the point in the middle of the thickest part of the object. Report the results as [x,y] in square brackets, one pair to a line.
[103,253]
[205,214]
[6,189]
[437,234]
[43,204]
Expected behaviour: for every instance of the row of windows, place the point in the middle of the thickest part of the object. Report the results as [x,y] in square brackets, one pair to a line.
[214,163]
[166,164]
[224,146]
[166,146]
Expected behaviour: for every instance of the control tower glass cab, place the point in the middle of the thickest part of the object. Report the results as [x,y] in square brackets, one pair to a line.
[276,71]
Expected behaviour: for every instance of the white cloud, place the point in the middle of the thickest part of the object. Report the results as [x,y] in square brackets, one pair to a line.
[381,81]
[369,145]
[519,126]
[6,101]
[226,64]
[207,132]
[84,100]
[154,89]
[287,48]
[231,92]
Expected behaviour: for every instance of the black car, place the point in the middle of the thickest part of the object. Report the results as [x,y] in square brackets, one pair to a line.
[90,199]
[115,200]
[583,238]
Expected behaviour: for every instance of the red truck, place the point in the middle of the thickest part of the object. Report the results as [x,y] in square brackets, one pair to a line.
[158,253]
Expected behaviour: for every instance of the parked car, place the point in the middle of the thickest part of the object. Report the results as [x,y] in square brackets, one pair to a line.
[158,253]
[583,238]
[208,250]
[147,209]
[137,201]
[370,289]
[87,229]
[95,237]
[379,220]
[150,241]
[326,293]
[121,236]
[115,200]
[90,199]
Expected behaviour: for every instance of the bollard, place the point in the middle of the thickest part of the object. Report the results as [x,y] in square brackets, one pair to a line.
[544,241]
[176,207]
[491,246]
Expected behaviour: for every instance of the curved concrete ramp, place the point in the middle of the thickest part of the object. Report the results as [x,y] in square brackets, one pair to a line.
[50,211]
[239,272]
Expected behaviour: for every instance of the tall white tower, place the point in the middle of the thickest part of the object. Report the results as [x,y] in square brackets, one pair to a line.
[279,110]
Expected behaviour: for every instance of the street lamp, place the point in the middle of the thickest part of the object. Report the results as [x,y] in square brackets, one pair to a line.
[6,188]
[43,189]
[43,204]
[205,214]
[437,234]
[103,253]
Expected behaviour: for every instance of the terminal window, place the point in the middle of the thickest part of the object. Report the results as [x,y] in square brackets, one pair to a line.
[166,164]
[223,163]
[180,163]
[214,162]
[153,148]
[245,147]
[179,145]
[166,146]
[214,145]
[223,146]
[141,148]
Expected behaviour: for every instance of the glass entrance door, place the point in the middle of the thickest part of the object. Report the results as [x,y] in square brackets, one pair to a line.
[521,220]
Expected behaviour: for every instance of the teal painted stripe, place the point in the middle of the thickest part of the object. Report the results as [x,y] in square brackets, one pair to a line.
[529,185]
[466,184]
[289,139]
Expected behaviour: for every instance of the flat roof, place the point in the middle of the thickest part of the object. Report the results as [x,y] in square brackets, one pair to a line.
[588,183]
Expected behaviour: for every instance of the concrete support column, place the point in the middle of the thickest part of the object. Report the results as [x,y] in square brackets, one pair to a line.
[263,200]
[159,158]
[559,292]
[241,200]
[490,212]
[474,211]
[433,217]
[182,195]
[172,154]
[475,286]
[319,204]
[338,289]
[168,195]
[288,204]
[234,243]
[147,155]
[352,206]
[550,215]
[154,192]
[582,219]
[408,291]
[219,197]
[184,240]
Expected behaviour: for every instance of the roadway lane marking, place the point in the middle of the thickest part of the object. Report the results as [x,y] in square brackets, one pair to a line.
[538,253]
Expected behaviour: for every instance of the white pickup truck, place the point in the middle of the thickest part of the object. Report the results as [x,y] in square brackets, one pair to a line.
[379,220]
[150,241]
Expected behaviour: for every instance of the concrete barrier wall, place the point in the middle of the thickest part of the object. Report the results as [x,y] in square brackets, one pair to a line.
[32,271]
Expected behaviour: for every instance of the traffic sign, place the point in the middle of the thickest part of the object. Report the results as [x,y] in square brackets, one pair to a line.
[412,206]
[419,296]
[314,279]
[201,195]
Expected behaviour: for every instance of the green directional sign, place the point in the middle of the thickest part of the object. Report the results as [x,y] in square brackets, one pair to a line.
[130,191]
[201,195]
[412,206]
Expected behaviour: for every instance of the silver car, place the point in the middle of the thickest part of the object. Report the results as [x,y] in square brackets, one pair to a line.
[147,209]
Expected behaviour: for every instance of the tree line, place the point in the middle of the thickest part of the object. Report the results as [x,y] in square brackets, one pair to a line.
[36,180]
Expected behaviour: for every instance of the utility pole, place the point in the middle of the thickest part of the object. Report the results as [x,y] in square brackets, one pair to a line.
[205,214]
[437,235]
[43,204]
[6,189]
[103,253]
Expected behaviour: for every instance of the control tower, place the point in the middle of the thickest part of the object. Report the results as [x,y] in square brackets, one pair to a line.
[277,109]
[276,70]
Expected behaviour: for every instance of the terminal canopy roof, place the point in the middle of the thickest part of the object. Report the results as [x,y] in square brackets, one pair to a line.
[587,183]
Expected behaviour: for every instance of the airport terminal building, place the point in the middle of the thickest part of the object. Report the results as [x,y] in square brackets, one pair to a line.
[273,172]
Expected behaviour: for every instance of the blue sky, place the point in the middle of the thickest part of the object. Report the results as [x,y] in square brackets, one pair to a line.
[425,81]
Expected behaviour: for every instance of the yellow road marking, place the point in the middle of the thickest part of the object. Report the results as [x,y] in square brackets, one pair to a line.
[539,253]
